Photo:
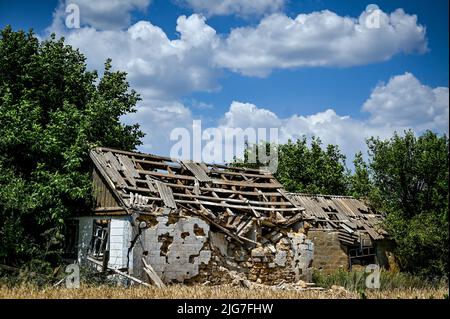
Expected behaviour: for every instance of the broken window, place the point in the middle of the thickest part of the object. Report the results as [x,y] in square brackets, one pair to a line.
[361,255]
[99,242]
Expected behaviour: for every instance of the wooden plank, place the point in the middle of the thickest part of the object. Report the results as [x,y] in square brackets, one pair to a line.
[245,229]
[152,274]
[197,171]
[166,195]
[112,175]
[217,190]
[350,224]
[372,232]
[128,168]
[346,241]
[112,161]
[226,231]
[150,183]
[128,165]
[247,184]
[347,229]
[108,209]
[224,172]
[214,181]
[241,207]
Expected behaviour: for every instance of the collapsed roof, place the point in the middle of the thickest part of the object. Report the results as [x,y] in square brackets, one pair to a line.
[234,199]
[231,198]
[350,216]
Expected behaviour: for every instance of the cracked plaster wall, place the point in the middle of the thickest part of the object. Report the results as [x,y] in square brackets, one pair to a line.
[175,250]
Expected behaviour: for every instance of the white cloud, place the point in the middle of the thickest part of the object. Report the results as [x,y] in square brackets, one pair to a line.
[406,101]
[157,119]
[319,39]
[237,7]
[104,14]
[157,67]
[243,115]
[161,68]
[164,70]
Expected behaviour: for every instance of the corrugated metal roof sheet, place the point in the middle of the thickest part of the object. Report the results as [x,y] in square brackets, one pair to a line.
[342,212]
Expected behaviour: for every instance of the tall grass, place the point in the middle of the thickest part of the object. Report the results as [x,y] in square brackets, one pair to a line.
[205,292]
[356,280]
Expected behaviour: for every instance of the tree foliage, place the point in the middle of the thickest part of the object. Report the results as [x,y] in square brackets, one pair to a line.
[406,178]
[306,168]
[52,111]
[410,184]
[360,183]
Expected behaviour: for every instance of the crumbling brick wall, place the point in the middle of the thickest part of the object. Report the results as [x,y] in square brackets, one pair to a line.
[186,250]
[329,254]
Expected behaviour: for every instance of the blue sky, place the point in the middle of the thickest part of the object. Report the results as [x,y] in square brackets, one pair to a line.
[342,89]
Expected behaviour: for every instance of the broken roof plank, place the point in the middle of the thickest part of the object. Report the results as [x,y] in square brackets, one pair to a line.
[128,165]
[347,229]
[152,274]
[110,172]
[217,190]
[150,183]
[166,195]
[197,171]
[112,161]
[372,232]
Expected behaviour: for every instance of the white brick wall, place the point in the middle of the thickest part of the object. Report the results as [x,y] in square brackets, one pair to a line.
[119,242]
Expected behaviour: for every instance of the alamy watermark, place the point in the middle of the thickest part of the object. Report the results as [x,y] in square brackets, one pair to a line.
[221,145]
[373,18]
[373,278]
[73,16]
[73,279]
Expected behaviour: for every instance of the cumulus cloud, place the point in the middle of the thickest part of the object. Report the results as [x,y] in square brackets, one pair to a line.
[160,67]
[102,14]
[157,67]
[406,101]
[157,119]
[164,70]
[237,7]
[320,39]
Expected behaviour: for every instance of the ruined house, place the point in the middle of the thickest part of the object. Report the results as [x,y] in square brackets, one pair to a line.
[186,222]
[162,220]
[346,233]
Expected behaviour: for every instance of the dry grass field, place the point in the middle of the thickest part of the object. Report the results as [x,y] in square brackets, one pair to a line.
[215,292]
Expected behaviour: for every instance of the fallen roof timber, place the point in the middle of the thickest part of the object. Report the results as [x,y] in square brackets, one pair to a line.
[214,181]
[151,157]
[217,190]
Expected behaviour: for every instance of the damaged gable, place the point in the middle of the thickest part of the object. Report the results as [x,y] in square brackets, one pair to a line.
[354,220]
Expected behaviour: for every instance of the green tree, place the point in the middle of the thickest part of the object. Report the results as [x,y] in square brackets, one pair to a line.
[360,183]
[410,177]
[306,169]
[52,111]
